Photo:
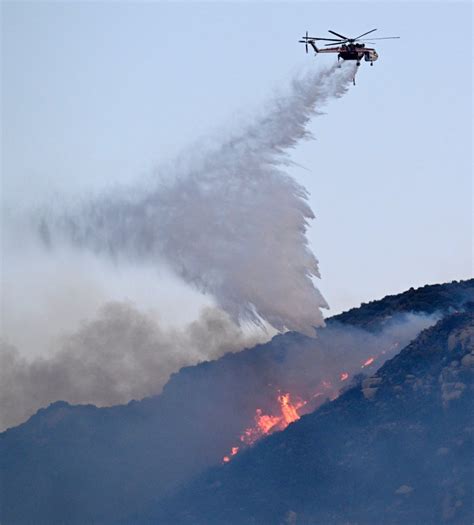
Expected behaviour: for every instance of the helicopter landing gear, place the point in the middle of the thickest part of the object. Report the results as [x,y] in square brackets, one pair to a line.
[371,63]
[358,63]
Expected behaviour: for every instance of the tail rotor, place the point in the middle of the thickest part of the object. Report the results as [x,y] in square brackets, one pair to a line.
[304,40]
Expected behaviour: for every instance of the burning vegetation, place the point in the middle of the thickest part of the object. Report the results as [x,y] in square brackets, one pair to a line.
[368,362]
[289,409]
[267,423]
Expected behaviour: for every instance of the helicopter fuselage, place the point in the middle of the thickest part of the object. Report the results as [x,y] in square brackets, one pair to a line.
[357,52]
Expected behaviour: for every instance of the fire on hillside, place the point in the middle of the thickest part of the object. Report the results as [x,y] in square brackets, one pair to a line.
[290,409]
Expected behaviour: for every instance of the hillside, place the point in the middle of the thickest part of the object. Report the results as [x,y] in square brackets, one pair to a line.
[398,448]
[427,299]
[81,464]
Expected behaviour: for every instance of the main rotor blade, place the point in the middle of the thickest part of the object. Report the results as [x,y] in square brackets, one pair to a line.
[363,34]
[328,39]
[339,42]
[331,39]
[381,38]
[337,34]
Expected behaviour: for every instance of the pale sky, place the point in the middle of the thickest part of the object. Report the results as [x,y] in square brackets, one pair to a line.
[99,93]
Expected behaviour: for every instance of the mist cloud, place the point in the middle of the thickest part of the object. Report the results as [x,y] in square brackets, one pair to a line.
[227,220]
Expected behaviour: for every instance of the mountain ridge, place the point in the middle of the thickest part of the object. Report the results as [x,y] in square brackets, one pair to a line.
[83,464]
[428,386]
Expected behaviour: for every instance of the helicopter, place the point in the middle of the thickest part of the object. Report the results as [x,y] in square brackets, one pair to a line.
[347,48]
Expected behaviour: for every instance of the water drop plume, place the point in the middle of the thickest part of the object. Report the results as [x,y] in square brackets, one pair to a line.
[228,218]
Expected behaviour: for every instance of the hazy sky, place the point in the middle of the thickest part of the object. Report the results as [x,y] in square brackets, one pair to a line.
[95,94]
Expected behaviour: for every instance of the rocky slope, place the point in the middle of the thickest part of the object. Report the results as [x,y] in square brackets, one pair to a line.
[398,448]
[80,464]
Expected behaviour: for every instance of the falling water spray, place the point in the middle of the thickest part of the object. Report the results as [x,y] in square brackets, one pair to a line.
[229,220]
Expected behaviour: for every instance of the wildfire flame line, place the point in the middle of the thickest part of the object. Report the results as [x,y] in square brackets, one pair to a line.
[289,412]
[368,362]
[267,423]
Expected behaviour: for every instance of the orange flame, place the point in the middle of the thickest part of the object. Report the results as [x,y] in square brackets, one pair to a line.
[233,452]
[289,412]
[368,362]
[267,423]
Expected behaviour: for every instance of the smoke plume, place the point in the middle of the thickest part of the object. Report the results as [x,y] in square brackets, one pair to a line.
[124,354]
[120,355]
[229,220]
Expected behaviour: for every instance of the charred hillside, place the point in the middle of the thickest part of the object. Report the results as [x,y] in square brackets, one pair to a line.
[397,448]
[81,464]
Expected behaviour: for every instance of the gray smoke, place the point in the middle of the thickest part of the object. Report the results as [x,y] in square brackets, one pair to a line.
[125,354]
[228,220]
[120,355]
